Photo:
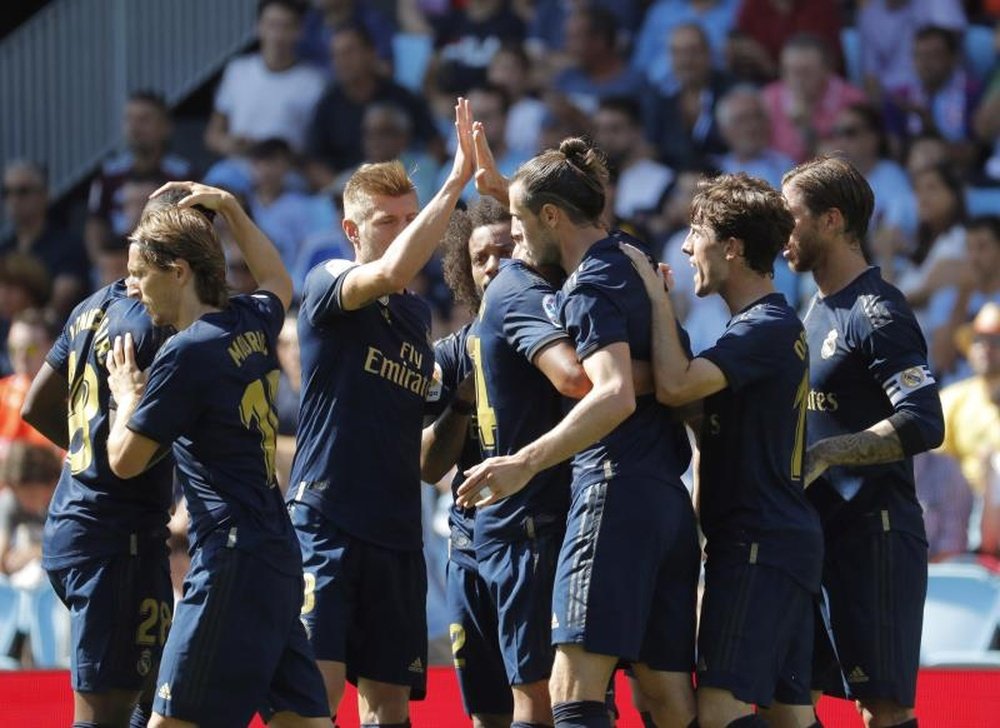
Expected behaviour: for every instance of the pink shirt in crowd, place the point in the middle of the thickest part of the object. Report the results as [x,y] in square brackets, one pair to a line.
[785,136]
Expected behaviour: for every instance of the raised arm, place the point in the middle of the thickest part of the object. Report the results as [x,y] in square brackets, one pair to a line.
[609,403]
[413,247]
[261,256]
[679,380]
[44,406]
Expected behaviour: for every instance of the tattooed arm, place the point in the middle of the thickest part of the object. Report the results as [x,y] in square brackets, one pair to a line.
[878,444]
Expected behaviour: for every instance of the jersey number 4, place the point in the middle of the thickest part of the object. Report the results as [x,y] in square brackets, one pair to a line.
[486,418]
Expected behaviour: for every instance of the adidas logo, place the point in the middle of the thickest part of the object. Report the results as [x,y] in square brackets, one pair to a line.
[857,675]
[555,621]
[416,666]
[164,692]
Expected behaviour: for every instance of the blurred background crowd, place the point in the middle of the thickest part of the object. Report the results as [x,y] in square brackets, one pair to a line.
[672,90]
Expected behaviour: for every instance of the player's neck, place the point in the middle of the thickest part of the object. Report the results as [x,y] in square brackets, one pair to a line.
[574,250]
[842,264]
[191,311]
[742,290]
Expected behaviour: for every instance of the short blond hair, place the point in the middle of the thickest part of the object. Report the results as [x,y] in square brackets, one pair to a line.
[385,179]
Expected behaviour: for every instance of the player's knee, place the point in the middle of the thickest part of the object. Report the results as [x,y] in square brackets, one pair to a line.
[531,702]
[491,720]
[383,703]
[719,708]
[886,713]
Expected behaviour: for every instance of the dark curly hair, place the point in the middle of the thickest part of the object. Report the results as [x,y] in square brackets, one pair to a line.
[457,263]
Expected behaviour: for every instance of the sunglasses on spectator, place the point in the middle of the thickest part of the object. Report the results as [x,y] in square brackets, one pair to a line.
[19,190]
[849,132]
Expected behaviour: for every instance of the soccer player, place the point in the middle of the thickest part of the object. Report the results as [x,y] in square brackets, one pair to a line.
[764,542]
[474,245]
[236,645]
[872,405]
[627,572]
[104,544]
[367,368]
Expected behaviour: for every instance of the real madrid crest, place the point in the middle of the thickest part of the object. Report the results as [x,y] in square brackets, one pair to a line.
[829,345]
[145,662]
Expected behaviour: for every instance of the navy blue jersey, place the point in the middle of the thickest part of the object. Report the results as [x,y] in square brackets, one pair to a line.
[515,403]
[867,358]
[604,302]
[751,484]
[212,392]
[93,511]
[365,377]
[452,365]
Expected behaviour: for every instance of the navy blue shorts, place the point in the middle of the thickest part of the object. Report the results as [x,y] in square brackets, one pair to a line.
[365,605]
[237,646]
[474,642]
[626,583]
[519,576]
[756,634]
[875,584]
[120,608]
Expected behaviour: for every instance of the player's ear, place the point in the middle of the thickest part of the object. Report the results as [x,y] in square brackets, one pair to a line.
[351,231]
[182,270]
[734,248]
[549,215]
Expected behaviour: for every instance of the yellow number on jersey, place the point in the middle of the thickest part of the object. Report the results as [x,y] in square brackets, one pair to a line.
[801,400]
[84,406]
[308,592]
[257,411]
[485,416]
[153,612]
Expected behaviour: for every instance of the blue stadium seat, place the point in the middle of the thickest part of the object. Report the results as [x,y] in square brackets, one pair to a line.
[48,628]
[961,616]
[980,54]
[850,45]
[10,623]
[982,200]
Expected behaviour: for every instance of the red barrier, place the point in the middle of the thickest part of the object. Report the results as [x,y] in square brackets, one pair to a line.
[945,699]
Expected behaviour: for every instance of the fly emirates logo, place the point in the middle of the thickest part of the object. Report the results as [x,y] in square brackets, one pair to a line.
[403,371]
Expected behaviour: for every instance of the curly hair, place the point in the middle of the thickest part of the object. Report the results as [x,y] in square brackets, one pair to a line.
[457,262]
[748,209]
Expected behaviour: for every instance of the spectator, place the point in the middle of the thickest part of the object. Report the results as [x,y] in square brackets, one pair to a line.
[746,129]
[972,406]
[805,102]
[334,142]
[924,151]
[467,37]
[887,28]
[146,132]
[942,97]
[325,16]
[32,334]
[764,28]
[651,55]
[946,499]
[547,24]
[61,253]
[387,134]
[511,70]
[263,95]
[24,284]
[937,259]
[681,122]
[953,307]
[986,124]
[284,215]
[859,134]
[30,473]
[990,522]
[641,181]
[598,68]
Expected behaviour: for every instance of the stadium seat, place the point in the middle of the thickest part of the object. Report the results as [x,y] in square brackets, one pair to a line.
[961,616]
[982,200]
[980,54]
[850,45]
[10,618]
[48,628]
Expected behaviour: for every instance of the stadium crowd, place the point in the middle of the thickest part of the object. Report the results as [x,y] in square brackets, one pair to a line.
[673,91]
